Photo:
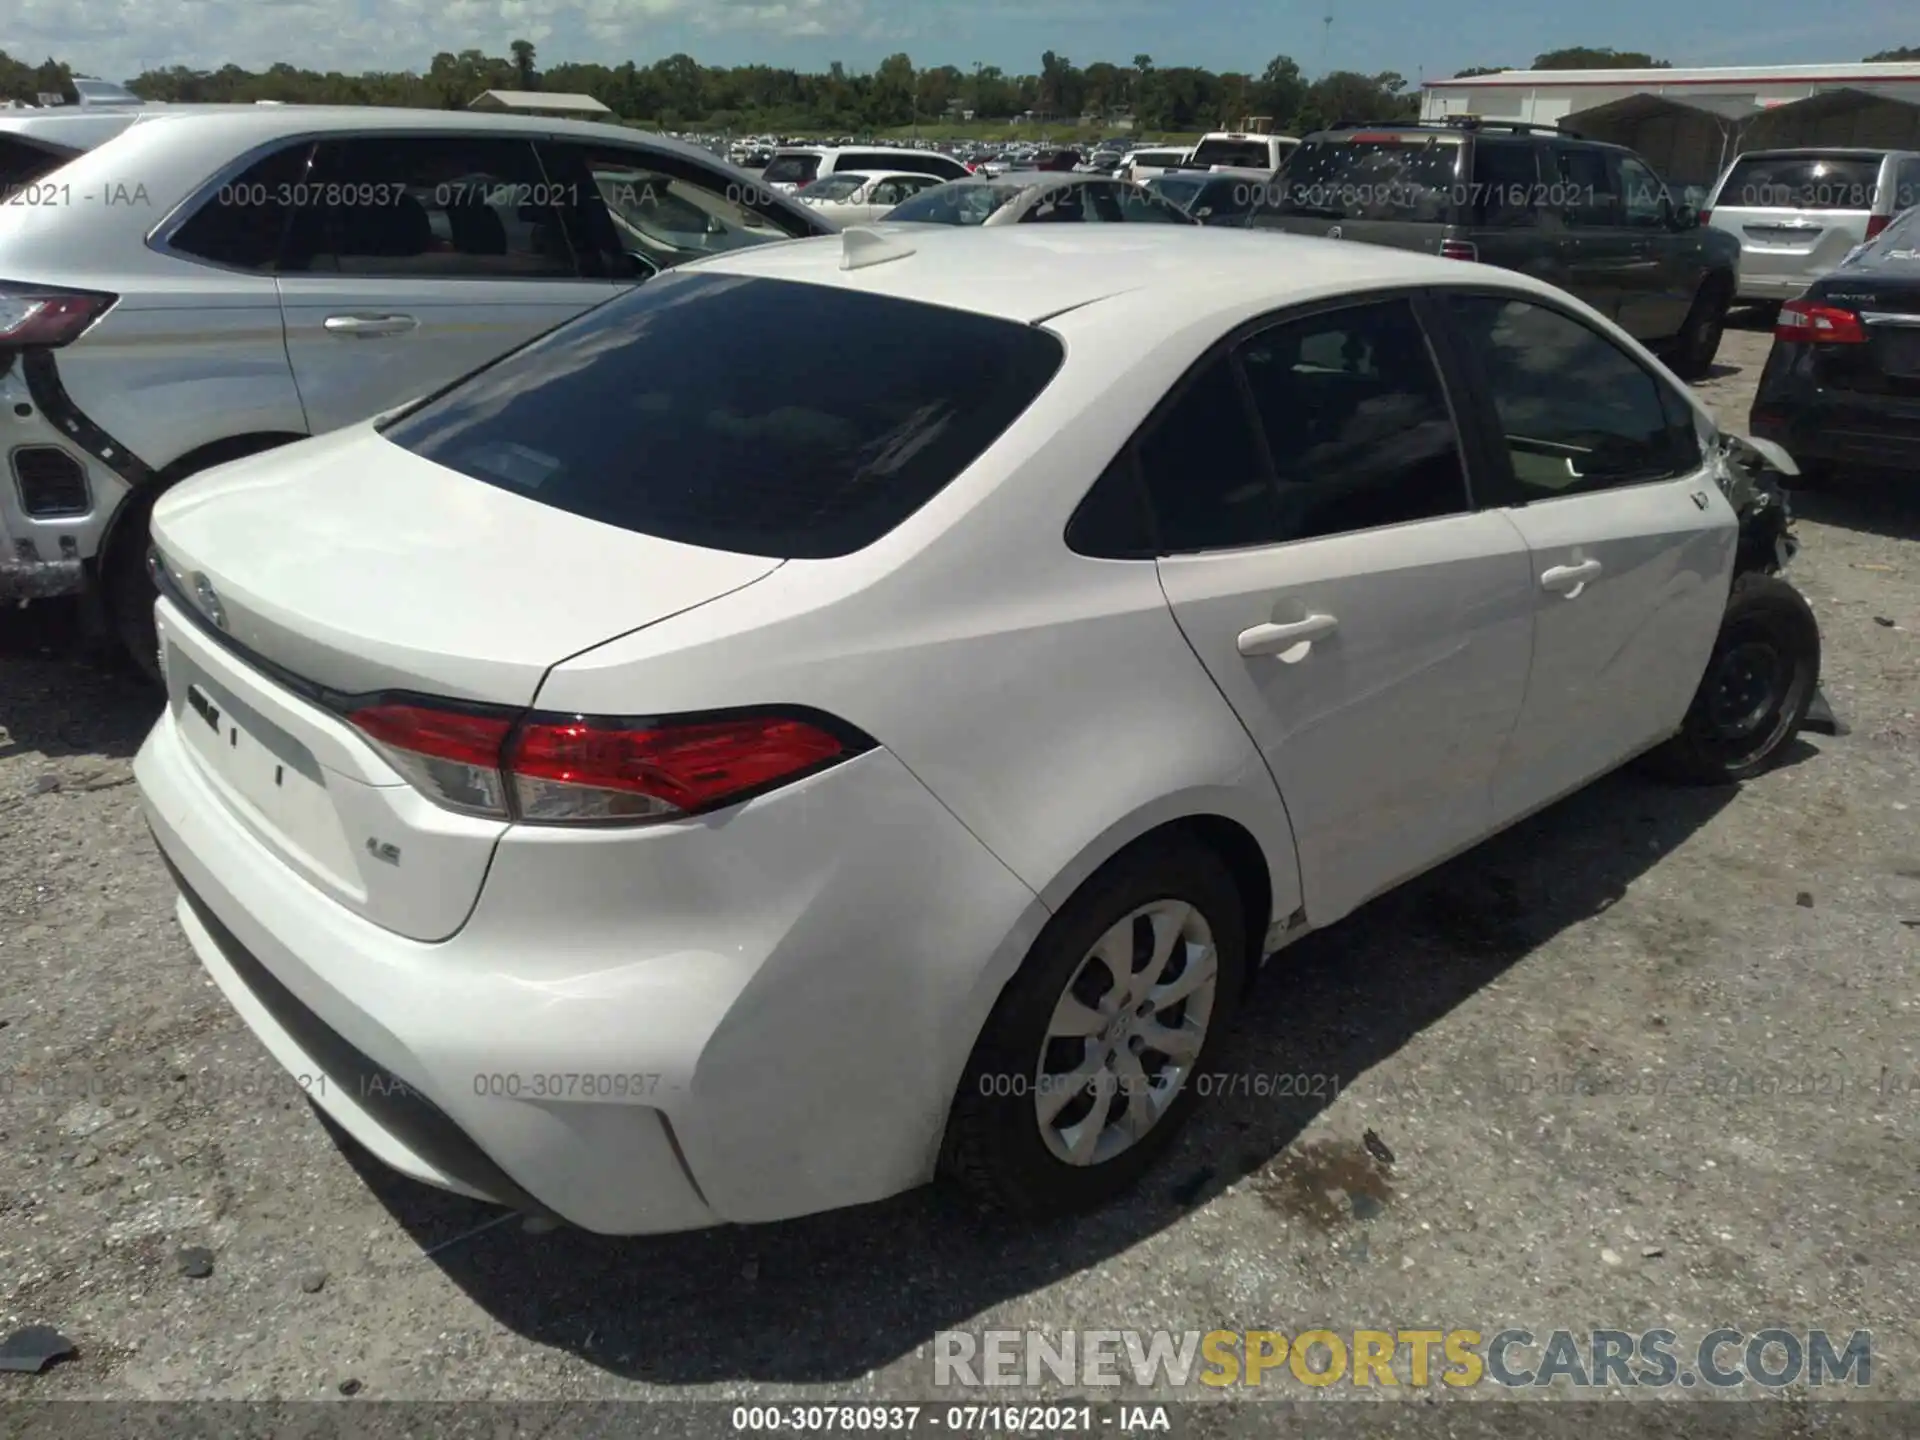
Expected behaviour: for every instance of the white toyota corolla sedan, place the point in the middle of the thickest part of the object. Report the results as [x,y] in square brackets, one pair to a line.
[859,709]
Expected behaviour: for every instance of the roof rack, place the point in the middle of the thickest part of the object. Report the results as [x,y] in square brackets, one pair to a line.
[1458,122]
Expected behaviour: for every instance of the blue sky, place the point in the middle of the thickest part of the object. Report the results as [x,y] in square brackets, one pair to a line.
[117,38]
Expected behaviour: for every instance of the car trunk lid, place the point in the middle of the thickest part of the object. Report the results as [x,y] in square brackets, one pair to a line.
[359,566]
[299,585]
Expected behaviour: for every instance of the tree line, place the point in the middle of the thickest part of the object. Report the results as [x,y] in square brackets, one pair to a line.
[679,93]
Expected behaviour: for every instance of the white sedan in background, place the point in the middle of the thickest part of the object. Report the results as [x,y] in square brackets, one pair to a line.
[849,197]
[668,780]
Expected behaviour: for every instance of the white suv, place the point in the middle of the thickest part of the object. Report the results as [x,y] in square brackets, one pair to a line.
[793,166]
[210,284]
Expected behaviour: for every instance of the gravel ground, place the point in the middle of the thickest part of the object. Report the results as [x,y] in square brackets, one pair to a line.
[1749,956]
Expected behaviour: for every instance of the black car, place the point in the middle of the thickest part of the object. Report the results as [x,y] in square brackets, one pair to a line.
[1592,218]
[1842,383]
[1211,199]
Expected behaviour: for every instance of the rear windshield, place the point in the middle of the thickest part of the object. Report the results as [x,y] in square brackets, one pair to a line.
[1177,189]
[1802,182]
[696,408]
[791,169]
[1410,178]
[24,161]
[1242,154]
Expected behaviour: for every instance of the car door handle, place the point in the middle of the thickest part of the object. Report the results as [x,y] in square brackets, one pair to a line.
[1569,580]
[370,327]
[1272,639]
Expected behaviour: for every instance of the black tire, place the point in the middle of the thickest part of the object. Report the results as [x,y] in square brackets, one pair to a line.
[1755,694]
[128,589]
[994,1146]
[1699,339]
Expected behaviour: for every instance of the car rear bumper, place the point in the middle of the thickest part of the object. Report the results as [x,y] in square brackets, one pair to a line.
[1855,430]
[25,575]
[1771,287]
[744,1018]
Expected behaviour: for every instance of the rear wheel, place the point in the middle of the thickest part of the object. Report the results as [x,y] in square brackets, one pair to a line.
[1755,694]
[1086,1069]
[1699,339]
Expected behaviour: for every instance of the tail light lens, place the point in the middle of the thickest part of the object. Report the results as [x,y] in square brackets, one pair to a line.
[42,315]
[1875,224]
[450,756]
[553,770]
[1706,217]
[1808,322]
[1459,250]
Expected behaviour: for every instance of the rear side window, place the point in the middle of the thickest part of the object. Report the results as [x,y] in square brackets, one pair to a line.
[1415,178]
[24,161]
[1802,182]
[441,207]
[1506,183]
[1906,185]
[696,408]
[791,170]
[1204,473]
[243,223]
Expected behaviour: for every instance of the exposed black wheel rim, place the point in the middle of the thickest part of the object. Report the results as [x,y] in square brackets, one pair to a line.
[1751,695]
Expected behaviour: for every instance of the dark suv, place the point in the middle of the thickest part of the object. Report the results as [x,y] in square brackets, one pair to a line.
[1592,218]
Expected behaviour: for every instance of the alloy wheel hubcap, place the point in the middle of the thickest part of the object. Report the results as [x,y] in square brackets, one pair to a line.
[1126,1032]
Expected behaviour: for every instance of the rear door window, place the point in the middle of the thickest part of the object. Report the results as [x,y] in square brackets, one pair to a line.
[1584,183]
[1410,177]
[1505,190]
[695,408]
[431,207]
[1801,182]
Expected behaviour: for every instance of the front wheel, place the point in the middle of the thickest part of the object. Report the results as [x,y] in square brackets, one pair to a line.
[1755,695]
[1091,1060]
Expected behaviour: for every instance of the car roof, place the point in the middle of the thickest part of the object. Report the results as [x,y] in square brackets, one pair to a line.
[1030,274]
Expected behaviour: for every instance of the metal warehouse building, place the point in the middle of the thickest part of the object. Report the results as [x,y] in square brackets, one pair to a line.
[1691,123]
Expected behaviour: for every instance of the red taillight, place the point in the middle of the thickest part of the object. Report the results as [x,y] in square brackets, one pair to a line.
[43,316]
[1808,322]
[1706,216]
[580,771]
[551,770]
[1459,250]
[1875,224]
[450,756]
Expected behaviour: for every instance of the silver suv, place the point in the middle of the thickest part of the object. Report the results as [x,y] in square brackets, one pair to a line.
[204,286]
[1797,213]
